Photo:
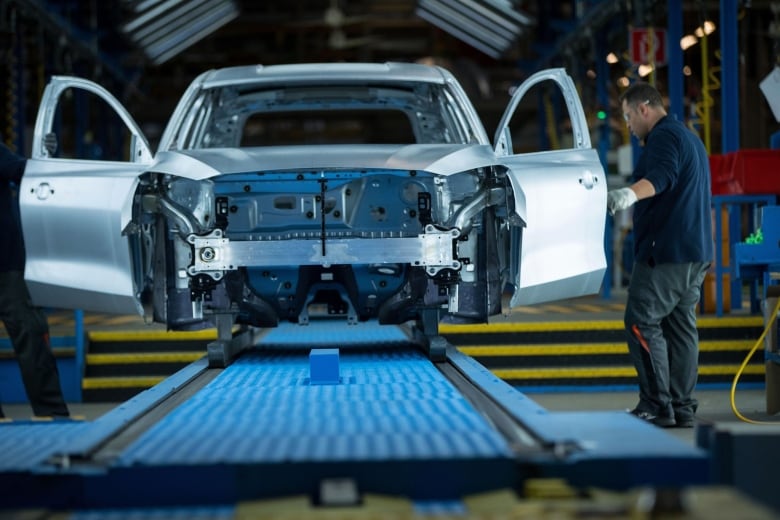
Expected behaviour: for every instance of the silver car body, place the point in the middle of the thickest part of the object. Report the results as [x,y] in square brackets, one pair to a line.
[209,225]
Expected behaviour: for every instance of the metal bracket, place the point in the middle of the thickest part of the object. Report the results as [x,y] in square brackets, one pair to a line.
[213,254]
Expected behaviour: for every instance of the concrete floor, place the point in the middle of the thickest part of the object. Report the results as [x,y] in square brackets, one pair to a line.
[714,406]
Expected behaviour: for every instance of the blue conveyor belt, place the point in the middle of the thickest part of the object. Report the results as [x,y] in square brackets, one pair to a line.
[391,405]
[26,445]
[395,425]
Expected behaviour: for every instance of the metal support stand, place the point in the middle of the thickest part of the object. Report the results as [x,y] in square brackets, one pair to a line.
[227,346]
[426,336]
[772,351]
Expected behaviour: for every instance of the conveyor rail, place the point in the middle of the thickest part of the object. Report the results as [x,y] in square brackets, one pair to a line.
[397,424]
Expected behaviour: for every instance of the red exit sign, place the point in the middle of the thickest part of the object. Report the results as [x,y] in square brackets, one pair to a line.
[648,46]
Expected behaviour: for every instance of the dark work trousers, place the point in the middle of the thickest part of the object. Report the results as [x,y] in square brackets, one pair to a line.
[663,340]
[29,333]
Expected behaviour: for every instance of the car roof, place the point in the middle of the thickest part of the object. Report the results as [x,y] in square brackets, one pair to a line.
[323,73]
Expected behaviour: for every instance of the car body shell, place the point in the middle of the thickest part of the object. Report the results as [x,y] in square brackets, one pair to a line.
[262,233]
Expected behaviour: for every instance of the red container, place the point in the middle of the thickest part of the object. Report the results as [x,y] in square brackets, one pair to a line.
[746,172]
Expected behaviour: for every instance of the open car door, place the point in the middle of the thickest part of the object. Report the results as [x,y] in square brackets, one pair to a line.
[560,195]
[76,211]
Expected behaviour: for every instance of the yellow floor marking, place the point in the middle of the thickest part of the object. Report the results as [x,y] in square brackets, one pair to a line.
[553,373]
[545,350]
[146,357]
[529,310]
[546,326]
[94,383]
[729,370]
[540,326]
[596,372]
[550,349]
[589,308]
[151,335]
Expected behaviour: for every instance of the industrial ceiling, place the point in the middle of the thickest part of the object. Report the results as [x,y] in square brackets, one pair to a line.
[147,51]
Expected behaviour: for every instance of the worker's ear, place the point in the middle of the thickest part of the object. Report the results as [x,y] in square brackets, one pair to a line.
[50,143]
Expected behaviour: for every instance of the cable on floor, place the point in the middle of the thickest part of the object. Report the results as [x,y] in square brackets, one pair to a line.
[760,340]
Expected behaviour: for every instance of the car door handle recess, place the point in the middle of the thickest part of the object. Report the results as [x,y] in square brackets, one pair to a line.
[43,191]
[589,180]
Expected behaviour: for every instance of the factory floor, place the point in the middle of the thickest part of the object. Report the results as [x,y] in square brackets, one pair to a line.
[715,413]
[715,403]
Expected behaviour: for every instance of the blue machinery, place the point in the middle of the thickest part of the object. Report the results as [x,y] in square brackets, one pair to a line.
[395,423]
[755,262]
[752,263]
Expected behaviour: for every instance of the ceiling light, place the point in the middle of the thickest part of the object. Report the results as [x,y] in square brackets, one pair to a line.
[457,32]
[491,26]
[708,28]
[688,41]
[612,58]
[164,28]
[645,69]
[149,11]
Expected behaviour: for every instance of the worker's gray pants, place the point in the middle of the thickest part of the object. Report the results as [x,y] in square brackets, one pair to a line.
[663,340]
[29,333]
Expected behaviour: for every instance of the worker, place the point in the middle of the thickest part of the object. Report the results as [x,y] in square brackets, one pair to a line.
[26,324]
[671,196]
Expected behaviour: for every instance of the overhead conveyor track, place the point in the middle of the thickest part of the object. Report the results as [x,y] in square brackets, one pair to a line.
[396,424]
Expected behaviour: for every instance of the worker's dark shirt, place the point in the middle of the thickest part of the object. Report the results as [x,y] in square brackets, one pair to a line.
[674,225]
[11,242]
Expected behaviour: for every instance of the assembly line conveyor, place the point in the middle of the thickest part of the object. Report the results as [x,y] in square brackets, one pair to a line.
[394,424]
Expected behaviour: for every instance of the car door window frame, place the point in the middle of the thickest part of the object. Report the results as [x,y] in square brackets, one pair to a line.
[140,151]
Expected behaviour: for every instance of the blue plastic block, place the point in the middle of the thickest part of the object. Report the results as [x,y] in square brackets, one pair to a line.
[324,366]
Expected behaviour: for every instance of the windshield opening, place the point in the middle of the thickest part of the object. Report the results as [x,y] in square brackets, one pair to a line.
[232,116]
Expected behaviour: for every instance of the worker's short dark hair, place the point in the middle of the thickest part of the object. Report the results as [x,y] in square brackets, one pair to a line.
[639,93]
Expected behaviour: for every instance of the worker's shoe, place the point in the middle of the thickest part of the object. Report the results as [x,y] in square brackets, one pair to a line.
[658,420]
[685,422]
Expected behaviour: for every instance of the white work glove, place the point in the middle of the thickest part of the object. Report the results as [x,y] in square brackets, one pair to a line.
[620,199]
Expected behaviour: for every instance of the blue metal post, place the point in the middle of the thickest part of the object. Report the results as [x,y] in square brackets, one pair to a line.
[81,350]
[774,141]
[604,145]
[729,76]
[17,137]
[675,58]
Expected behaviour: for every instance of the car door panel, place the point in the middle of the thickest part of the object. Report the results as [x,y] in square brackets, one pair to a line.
[559,251]
[74,216]
[77,256]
